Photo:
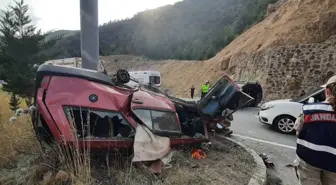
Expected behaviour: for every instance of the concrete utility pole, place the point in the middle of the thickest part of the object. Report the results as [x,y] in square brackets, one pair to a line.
[89,34]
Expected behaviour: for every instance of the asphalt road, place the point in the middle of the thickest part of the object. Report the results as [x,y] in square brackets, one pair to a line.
[260,137]
[263,139]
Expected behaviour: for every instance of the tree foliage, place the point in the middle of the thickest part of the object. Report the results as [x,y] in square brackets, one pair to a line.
[21,44]
[191,29]
[14,102]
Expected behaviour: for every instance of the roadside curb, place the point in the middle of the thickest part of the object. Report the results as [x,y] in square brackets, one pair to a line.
[259,174]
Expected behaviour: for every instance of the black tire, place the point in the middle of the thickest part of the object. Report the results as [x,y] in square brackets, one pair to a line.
[123,76]
[284,124]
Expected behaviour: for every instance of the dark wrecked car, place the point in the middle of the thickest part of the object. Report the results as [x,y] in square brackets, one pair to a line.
[88,108]
[254,90]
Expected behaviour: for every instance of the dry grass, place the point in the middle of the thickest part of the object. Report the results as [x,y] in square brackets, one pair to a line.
[21,158]
[16,138]
[23,162]
[225,164]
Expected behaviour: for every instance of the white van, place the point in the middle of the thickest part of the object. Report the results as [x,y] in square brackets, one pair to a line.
[145,77]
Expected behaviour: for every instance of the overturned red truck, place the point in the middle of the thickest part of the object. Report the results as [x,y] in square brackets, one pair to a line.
[91,109]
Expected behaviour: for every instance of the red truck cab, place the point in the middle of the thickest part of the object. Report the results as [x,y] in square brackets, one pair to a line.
[88,108]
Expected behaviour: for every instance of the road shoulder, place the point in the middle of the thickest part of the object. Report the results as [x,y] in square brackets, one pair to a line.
[259,172]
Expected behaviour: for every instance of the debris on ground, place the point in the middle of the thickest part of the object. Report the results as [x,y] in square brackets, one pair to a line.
[167,159]
[294,165]
[268,163]
[198,154]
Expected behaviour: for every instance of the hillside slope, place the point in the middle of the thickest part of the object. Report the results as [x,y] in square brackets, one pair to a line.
[189,29]
[294,22]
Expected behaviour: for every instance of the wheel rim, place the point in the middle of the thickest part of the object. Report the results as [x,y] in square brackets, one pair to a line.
[286,125]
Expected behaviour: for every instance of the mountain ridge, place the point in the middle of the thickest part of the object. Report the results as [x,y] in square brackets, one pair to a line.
[189,29]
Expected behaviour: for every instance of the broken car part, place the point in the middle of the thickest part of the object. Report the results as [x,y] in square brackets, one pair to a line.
[268,163]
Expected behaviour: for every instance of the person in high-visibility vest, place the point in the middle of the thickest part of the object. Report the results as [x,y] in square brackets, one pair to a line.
[205,88]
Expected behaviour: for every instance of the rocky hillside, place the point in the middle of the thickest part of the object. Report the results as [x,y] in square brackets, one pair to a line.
[252,54]
[293,22]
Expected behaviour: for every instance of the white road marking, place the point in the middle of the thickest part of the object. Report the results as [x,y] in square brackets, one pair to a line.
[264,141]
[251,132]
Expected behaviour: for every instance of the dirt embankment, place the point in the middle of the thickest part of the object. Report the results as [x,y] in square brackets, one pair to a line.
[176,75]
[293,22]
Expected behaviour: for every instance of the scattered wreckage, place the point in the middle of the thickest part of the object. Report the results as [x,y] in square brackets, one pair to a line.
[89,108]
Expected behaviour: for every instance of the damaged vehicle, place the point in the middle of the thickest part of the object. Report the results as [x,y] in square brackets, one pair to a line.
[254,89]
[88,108]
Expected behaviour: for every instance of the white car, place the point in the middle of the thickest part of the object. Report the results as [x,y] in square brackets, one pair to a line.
[281,114]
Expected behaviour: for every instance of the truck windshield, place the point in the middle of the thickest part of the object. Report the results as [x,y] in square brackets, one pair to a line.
[154,79]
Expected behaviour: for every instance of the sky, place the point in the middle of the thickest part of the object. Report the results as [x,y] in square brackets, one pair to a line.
[64,14]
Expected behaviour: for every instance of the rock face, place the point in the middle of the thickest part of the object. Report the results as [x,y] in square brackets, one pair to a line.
[285,72]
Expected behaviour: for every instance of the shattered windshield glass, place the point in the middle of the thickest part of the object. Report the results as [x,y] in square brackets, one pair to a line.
[158,120]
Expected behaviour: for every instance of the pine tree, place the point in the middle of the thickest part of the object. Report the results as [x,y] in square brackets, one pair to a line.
[20,49]
[14,102]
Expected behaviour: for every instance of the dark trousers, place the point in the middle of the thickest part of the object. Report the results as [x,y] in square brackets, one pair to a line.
[192,91]
[203,94]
